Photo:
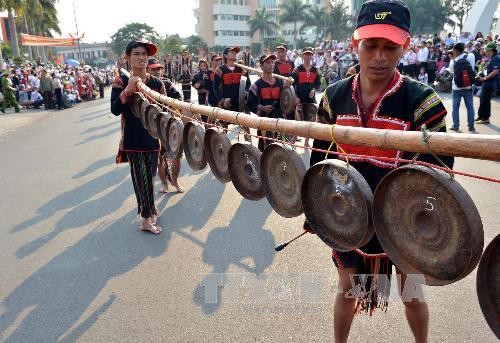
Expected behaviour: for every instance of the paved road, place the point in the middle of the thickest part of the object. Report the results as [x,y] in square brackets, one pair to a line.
[73,266]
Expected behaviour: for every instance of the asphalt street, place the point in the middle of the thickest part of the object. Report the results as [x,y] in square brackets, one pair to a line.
[74,266]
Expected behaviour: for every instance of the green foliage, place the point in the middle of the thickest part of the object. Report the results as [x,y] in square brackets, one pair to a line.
[171,44]
[129,32]
[194,43]
[18,60]
[301,43]
[317,18]
[429,16]
[293,11]
[262,21]
[6,51]
[459,10]
[340,24]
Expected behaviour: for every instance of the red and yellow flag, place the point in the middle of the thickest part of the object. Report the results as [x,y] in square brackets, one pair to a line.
[46,41]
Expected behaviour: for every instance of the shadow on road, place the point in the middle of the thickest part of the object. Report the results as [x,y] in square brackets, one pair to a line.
[82,215]
[96,128]
[244,238]
[99,136]
[94,115]
[74,197]
[57,294]
[95,166]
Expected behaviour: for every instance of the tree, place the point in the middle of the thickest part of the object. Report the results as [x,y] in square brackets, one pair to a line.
[429,16]
[12,6]
[317,18]
[460,9]
[171,44]
[301,43]
[339,22]
[263,22]
[293,11]
[129,32]
[194,43]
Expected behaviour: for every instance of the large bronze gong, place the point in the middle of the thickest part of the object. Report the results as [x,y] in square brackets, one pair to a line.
[428,224]
[161,127]
[242,95]
[309,112]
[282,171]
[288,100]
[488,285]
[144,106]
[337,203]
[174,138]
[152,112]
[193,139]
[136,100]
[244,169]
[217,146]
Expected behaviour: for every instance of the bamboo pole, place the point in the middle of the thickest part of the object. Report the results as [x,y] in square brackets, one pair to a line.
[486,147]
[260,72]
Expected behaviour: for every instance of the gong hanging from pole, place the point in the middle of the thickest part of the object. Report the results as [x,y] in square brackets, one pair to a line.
[288,100]
[161,127]
[144,106]
[244,169]
[488,285]
[217,146]
[152,112]
[337,203]
[136,101]
[428,224]
[175,130]
[282,171]
[193,143]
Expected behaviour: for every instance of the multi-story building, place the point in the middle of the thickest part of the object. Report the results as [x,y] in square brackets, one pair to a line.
[97,52]
[224,22]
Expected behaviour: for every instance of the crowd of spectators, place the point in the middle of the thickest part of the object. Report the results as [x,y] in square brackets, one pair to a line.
[35,86]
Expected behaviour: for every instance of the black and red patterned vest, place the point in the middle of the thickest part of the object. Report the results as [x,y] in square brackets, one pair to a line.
[283,68]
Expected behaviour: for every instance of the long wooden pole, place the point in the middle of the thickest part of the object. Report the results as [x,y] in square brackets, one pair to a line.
[260,72]
[486,147]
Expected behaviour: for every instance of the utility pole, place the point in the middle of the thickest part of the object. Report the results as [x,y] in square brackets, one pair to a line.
[77,34]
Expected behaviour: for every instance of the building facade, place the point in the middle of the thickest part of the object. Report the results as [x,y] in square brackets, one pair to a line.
[224,22]
[96,52]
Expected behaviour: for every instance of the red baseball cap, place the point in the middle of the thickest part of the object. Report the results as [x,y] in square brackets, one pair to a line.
[389,19]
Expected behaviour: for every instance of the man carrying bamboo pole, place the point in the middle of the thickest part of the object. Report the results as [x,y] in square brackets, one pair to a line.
[378,97]
[264,96]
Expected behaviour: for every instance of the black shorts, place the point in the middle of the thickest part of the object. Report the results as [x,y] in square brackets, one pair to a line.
[351,259]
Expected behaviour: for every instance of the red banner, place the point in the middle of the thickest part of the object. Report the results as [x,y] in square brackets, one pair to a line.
[46,41]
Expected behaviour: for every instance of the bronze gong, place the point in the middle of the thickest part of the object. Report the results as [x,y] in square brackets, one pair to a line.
[282,171]
[175,130]
[144,106]
[161,127]
[428,224]
[244,169]
[337,203]
[288,100]
[136,100]
[488,285]
[152,112]
[193,139]
[242,95]
[309,112]
[217,146]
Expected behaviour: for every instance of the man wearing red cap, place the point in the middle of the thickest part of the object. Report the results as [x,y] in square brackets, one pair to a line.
[307,79]
[381,98]
[156,69]
[210,77]
[227,81]
[136,145]
[264,96]
[282,66]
